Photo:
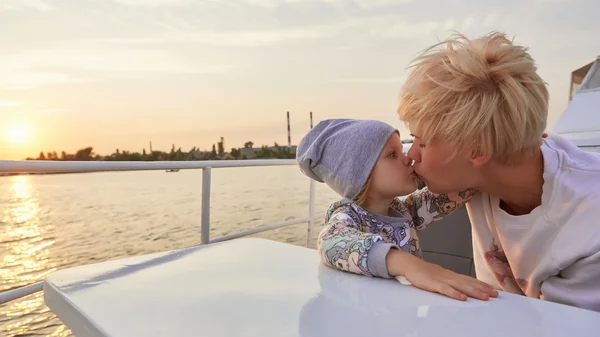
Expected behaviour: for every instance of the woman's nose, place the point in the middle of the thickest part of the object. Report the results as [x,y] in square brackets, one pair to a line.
[413,154]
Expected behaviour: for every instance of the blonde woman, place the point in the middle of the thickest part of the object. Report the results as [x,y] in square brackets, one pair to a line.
[477,110]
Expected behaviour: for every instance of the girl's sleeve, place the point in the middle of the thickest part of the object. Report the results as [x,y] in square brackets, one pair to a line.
[343,244]
[425,207]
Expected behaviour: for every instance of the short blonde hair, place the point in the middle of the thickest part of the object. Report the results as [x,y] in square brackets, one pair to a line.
[483,93]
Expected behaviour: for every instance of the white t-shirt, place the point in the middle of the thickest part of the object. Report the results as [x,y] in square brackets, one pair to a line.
[552,253]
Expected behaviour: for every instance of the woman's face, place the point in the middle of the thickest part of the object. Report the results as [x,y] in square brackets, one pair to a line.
[440,166]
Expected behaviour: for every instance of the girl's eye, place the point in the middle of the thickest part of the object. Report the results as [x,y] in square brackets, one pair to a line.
[392,155]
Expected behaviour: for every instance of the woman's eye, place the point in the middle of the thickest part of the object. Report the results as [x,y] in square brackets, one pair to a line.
[421,145]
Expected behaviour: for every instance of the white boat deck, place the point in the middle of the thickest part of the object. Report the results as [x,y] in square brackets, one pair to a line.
[257,287]
[580,122]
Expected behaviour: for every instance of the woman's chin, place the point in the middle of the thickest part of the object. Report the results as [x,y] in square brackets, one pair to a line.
[420,183]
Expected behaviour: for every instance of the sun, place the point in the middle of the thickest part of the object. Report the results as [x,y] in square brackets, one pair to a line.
[17,133]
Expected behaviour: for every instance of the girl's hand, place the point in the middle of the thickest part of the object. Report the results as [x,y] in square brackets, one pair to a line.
[434,278]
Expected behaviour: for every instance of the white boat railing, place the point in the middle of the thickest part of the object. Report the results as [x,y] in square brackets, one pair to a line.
[46,167]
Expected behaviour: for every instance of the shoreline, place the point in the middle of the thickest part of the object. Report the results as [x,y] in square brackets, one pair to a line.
[3,175]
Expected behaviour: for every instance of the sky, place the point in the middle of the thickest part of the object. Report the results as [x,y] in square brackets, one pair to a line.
[121,73]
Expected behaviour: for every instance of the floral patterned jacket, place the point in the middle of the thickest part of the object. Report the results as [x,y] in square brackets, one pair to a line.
[357,240]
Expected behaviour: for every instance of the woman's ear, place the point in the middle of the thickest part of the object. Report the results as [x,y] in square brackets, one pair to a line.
[478,158]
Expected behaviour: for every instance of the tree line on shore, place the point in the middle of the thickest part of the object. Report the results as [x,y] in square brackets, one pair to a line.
[176,154]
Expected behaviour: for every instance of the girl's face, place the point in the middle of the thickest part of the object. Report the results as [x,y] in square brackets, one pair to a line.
[393,174]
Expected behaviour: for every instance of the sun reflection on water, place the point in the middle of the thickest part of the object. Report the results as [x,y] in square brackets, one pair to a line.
[24,253]
[21,185]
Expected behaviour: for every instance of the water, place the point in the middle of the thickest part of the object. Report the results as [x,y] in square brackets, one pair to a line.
[56,221]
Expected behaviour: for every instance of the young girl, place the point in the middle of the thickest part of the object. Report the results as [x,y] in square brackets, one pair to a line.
[371,231]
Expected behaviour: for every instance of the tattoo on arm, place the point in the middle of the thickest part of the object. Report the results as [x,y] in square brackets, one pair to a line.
[425,207]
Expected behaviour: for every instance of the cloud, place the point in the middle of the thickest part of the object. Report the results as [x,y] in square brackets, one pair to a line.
[115,60]
[65,66]
[23,80]
[372,27]
[268,4]
[380,3]
[491,19]
[405,29]
[256,37]
[264,3]
[467,24]
[391,80]
[8,104]
[49,111]
[20,87]
[365,4]
[13,5]
[248,38]
[393,28]
[155,3]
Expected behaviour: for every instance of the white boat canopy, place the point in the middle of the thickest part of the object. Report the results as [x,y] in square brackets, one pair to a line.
[580,122]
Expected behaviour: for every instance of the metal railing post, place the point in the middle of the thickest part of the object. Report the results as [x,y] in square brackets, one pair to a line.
[311,211]
[311,201]
[205,226]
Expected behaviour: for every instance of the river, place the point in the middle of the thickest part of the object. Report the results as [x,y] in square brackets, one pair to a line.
[51,222]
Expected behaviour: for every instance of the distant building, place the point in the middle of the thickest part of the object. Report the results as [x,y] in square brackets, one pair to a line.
[283,148]
[198,155]
[249,152]
[221,147]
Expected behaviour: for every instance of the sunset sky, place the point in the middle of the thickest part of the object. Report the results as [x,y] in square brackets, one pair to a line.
[120,73]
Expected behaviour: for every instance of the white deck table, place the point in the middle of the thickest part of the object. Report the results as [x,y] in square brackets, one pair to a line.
[257,287]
